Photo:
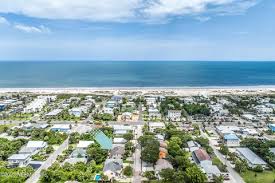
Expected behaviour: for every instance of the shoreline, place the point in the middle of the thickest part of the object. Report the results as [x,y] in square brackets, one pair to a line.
[166,91]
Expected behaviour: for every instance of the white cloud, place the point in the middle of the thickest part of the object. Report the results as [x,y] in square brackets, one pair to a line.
[122,10]
[4,21]
[32,29]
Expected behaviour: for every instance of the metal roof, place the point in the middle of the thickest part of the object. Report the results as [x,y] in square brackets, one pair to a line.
[251,156]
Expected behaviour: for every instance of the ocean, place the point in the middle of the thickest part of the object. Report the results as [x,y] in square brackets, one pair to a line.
[42,74]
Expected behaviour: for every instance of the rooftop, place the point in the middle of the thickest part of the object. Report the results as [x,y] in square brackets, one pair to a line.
[231,136]
[251,156]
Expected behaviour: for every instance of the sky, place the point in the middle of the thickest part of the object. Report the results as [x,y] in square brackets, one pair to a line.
[215,30]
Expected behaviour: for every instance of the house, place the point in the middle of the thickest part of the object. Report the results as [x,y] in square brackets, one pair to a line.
[147,166]
[104,141]
[272,127]
[252,159]
[117,151]
[77,111]
[20,160]
[126,116]
[2,107]
[33,147]
[163,153]
[108,110]
[201,157]
[61,128]
[210,171]
[75,160]
[36,144]
[38,104]
[272,150]
[84,144]
[53,113]
[193,146]
[162,164]
[224,130]
[119,140]
[112,168]
[231,140]
[249,117]
[79,153]
[121,129]
[156,125]
[117,98]
[154,113]
[174,115]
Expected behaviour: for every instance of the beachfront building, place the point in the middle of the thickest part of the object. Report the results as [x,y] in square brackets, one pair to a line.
[174,115]
[38,104]
[231,140]
[251,158]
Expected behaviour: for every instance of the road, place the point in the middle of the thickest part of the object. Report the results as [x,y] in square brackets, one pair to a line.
[35,177]
[234,176]
[52,158]
[137,155]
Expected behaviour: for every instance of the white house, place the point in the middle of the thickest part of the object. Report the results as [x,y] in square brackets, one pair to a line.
[155,125]
[108,110]
[154,113]
[231,140]
[84,144]
[20,160]
[77,111]
[174,115]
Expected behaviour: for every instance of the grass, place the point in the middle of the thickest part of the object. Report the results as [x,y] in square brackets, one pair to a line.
[263,177]
[2,127]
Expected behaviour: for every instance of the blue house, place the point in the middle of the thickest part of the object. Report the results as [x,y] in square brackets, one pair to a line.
[2,107]
[272,127]
[104,141]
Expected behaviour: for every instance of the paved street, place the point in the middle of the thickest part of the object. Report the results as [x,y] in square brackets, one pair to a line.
[234,176]
[137,160]
[35,177]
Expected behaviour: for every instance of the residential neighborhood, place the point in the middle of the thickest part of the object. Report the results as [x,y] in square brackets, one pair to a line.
[137,138]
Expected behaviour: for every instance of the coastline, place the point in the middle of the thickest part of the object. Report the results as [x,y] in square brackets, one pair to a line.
[174,91]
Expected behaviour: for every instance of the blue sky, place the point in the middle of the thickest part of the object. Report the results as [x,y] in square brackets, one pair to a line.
[137,30]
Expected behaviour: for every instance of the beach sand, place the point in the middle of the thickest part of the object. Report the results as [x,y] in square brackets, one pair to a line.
[165,91]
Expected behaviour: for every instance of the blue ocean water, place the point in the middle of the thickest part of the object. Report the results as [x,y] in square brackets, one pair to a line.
[135,74]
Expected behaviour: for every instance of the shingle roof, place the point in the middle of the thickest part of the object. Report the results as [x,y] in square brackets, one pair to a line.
[201,155]
[113,165]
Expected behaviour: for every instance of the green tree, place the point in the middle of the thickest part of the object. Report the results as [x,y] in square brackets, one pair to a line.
[97,154]
[193,174]
[128,171]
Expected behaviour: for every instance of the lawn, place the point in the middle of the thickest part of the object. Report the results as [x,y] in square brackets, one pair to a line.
[264,177]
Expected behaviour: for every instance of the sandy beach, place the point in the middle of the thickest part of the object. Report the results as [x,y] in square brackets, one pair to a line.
[165,91]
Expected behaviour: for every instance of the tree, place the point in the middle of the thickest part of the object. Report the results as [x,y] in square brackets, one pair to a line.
[97,154]
[128,171]
[258,168]
[194,175]
[128,136]
[224,149]
[150,148]
[167,175]
[150,175]
[240,166]
[218,179]
[49,149]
